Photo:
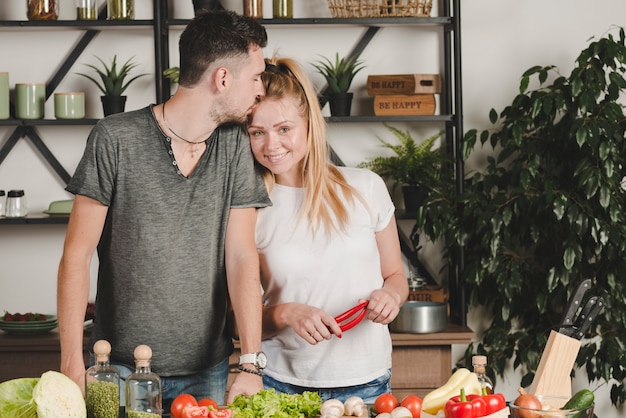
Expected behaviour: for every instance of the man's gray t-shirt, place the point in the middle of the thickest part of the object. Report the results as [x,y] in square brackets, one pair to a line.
[161,278]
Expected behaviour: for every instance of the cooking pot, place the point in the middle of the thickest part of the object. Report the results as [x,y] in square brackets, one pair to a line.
[420,318]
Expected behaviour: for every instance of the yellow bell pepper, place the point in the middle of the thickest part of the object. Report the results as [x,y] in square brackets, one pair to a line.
[462,378]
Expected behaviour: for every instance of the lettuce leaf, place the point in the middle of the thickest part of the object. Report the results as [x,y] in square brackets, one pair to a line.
[16,398]
[270,404]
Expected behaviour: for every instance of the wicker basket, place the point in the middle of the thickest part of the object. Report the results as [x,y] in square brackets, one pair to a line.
[380,8]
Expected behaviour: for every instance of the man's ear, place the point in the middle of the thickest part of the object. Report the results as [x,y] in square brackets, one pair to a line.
[221,78]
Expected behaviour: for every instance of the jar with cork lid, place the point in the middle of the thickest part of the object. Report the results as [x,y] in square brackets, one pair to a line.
[480,369]
[102,384]
[143,387]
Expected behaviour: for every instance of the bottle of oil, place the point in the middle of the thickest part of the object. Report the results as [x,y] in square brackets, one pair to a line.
[143,388]
[480,366]
[102,383]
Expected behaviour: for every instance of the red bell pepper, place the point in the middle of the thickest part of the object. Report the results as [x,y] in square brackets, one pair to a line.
[471,406]
[494,401]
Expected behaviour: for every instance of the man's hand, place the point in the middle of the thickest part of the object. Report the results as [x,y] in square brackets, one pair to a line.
[244,384]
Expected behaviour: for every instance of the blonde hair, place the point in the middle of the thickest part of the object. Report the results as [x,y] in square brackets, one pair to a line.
[323,181]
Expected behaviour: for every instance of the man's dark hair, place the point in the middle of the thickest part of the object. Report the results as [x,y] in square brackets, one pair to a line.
[214,35]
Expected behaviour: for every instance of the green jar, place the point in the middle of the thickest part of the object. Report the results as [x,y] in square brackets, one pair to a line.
[283,9]
[121,9]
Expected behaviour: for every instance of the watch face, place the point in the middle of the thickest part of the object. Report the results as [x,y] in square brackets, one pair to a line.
[261,360]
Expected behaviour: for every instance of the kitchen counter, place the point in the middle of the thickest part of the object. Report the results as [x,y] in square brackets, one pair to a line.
[421,362]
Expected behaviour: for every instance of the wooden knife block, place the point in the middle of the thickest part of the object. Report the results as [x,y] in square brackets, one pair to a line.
[557,360]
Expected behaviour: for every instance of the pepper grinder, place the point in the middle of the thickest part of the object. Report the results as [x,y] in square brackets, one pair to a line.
[16,204]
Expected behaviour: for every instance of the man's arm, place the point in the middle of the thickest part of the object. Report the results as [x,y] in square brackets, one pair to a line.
[244,286]
[83,233]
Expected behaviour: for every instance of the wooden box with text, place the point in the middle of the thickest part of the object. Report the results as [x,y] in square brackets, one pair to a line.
[403,84]
[404,104]
[429,293]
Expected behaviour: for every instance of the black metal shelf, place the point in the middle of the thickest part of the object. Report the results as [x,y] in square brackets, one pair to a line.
[47,122]
[79,24]
[332,21]
[36,219]
[380,119]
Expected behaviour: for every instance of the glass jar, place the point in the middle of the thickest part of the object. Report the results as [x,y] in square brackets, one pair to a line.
[480,369]
[253,8]
[2,201]
[86,10]
[143,388]
[282,9]
[16,204]
[42,9]
[102,384]
[120,9]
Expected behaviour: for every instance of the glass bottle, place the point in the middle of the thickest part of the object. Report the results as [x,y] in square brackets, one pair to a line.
[16,204]
[120,9]
[253,8]
[282,9]
[102,383]
[143,388]
[480,368]
[86,10]
[42,9]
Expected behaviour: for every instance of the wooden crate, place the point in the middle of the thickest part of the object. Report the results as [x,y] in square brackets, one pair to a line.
[429,293]
[403,84]
[404,104]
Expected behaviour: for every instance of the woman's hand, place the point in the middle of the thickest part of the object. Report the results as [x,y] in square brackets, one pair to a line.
[311,323]
[383,307]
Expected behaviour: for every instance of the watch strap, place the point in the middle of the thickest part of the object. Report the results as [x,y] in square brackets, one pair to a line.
[246,370]
[247,358]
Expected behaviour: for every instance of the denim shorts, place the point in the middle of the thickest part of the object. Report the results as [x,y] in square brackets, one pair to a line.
[367,391]
[209,383]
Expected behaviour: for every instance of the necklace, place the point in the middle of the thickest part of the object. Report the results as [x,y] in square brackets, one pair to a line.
[195,144]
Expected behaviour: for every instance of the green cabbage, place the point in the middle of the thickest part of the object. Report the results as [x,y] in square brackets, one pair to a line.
[58,396]
[16,398]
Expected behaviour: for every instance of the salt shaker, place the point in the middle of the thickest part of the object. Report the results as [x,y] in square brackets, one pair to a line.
[16,204]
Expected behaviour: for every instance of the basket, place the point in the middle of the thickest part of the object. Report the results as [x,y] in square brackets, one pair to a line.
[380,8]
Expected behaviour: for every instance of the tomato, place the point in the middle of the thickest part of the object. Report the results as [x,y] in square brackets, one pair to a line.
[207,402]
[222,413]
[385,403]
[195,411]
[180,403]
[414,404]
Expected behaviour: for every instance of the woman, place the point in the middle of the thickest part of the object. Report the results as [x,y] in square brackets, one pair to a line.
[328,242]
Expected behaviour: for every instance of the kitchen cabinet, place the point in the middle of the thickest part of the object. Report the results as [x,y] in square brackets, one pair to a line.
[421,362]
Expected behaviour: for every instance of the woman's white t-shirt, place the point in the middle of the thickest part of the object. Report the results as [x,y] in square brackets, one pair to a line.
[330,272]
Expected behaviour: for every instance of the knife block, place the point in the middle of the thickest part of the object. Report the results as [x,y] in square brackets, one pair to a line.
[553,374]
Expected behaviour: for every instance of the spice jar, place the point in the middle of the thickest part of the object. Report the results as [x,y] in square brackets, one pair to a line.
[283,9]
[42,9]
[253,8]
[16,204]
[86,10]
[102,384]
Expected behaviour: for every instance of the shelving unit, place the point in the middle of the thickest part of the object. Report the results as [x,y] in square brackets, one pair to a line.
[451,114]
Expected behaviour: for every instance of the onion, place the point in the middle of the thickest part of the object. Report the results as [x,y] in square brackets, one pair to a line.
[529,403]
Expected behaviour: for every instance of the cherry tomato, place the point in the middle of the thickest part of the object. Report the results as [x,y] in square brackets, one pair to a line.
[385,403]
[180,403]
[222,413]
[414,404]
[208,402]
[195,411]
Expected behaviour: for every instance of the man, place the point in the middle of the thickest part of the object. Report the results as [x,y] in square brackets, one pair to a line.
[167,194]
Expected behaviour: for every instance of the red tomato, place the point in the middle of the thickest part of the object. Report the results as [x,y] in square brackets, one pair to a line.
[195,411]
[207,402]
[180,403]
[385,403]
[222,413]
[414,404]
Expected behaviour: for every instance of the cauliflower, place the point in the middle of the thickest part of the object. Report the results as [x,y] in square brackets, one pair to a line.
[57,396]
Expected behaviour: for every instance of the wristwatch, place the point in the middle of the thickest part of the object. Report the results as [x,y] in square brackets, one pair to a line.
[258,359]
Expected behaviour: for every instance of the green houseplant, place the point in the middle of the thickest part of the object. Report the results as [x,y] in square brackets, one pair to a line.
[339,75]
[546,213]
[416,167]
[112,83]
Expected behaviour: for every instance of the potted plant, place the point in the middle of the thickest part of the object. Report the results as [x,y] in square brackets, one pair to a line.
[545,213]
[113,83]
[416,167]
[339,75]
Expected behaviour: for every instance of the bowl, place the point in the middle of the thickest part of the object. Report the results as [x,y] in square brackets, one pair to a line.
[417,317]
[551,408]
[60,207]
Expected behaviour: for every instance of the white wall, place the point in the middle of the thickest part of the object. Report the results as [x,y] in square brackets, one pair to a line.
[500,40]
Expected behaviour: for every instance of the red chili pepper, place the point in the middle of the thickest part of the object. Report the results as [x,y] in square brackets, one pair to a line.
[495,401]
[471,406]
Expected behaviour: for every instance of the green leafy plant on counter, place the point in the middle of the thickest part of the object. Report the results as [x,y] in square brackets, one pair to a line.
[547,212]
[112,81]
[340,73]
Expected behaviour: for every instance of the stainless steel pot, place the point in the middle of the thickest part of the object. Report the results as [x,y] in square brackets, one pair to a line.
[420,318]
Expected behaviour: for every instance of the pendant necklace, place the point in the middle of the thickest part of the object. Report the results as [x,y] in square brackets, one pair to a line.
[195,144]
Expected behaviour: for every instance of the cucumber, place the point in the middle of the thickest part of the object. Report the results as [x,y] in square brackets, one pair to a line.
[582,399]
